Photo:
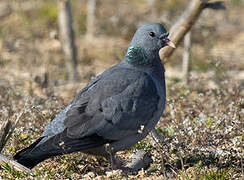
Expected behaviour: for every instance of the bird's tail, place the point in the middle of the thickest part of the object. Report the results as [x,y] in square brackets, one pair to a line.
[25,157]
[56,145]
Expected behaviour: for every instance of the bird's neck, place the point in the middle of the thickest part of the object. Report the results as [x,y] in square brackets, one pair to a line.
[150,61]
[138,56]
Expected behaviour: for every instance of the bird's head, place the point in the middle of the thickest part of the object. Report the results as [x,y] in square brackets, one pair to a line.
[152,36]
[146,43]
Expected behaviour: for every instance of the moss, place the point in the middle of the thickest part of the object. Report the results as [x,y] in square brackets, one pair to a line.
[215,175]
[49,10]
[170,130]
[209,122]
[200,65]
[143,145]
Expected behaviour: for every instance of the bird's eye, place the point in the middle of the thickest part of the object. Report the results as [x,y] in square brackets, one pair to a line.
[152,34]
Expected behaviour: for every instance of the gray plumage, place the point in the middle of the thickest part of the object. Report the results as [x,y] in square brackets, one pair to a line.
[120,106]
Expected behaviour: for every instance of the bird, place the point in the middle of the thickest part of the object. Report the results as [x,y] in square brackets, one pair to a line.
[115,110]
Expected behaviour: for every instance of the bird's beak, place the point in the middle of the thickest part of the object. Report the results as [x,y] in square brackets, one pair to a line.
[169,43]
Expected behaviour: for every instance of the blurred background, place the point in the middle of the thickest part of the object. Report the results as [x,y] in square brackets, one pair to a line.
[34,73]
[30,45]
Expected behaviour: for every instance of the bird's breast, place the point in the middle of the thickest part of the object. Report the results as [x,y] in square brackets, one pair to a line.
[160,85]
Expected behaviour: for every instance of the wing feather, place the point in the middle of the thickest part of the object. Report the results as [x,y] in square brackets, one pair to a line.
[115,107]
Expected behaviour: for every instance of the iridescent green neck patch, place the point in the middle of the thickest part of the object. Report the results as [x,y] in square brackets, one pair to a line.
[136,56]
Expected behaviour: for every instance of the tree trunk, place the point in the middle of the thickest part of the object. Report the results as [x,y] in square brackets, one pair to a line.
[182,26]
[5,10]
[91,18]
[152,9]
[186,57]
[67,38]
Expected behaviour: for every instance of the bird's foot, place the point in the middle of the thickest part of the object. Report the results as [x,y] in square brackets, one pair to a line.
[139,160]
[117,164]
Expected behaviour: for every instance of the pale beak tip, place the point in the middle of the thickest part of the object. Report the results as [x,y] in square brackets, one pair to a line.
[171,44]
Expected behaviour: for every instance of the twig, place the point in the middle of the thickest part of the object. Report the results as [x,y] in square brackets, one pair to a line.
[83,170]
[182,162]
[164,170]
[157,137]
[242,172]
[12,128]
[4,130]
[7,130]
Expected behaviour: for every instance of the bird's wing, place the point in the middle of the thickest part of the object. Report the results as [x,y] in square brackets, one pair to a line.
[115,107]
[112,109]
[57,124]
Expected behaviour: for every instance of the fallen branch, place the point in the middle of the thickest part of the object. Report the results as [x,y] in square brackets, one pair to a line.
[13,164]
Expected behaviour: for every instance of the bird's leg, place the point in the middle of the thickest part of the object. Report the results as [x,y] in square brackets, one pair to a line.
[139,160]
[109,151]
[115,162]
